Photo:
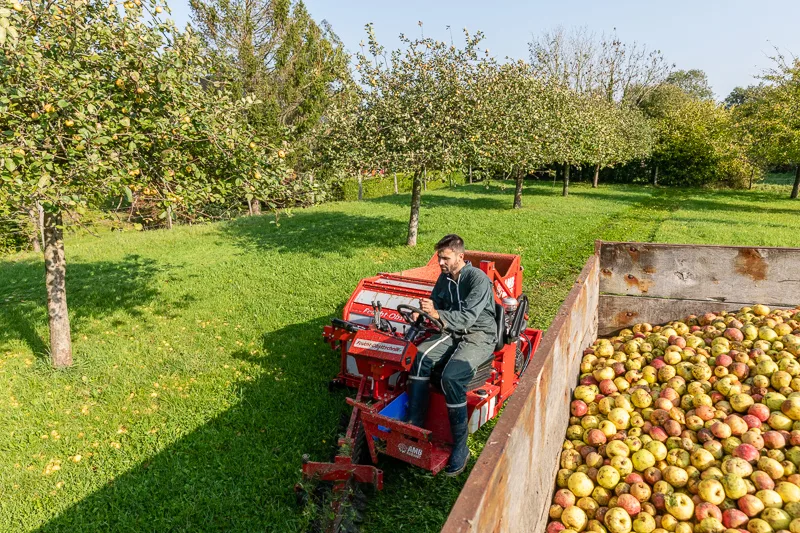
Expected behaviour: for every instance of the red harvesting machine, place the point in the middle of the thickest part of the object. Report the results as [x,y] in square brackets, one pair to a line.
[377,337]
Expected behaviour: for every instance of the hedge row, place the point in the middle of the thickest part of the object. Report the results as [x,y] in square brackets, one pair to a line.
[384,185]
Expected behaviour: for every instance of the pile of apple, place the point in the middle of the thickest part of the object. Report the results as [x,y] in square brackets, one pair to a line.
[691,427]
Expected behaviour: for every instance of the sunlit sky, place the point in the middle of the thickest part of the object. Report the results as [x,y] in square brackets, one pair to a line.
[731,40]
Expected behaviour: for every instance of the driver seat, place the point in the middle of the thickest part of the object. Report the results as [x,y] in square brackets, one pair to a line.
[484,370]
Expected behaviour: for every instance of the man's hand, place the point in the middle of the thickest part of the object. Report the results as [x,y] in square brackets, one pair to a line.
[427,306]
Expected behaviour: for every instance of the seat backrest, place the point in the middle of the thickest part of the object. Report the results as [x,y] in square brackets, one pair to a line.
[500,320]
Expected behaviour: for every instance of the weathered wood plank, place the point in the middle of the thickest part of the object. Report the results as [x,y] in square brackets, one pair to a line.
[618,312]
[712,273]
[510,487]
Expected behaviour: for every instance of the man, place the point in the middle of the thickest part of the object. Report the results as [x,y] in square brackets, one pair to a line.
[463,301]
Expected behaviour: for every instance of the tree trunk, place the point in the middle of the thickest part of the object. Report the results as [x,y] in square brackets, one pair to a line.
[256,204]
[360,188]
[395,183]
[413,221]
[752,175]
[596,177]
[796,188]
[40,209]
[311,185]
[565,192]
[425,179]
[169,218]
[518,191]
[470,173]
[655,176]
[34,236]
[55,282]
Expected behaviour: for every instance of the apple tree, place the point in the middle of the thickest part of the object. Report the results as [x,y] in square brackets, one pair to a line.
[100,101]
[412,112]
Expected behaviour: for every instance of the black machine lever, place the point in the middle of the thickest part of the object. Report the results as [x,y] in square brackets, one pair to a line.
[344,324]
[519,323]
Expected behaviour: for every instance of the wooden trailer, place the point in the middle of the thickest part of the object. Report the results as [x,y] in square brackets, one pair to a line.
[511,486]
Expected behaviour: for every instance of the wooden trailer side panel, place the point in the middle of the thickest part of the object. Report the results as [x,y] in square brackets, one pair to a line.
[657,283]
[510,487]
[724,274]
[618,312]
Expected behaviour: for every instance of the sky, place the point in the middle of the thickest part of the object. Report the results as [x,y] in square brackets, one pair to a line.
[731,40]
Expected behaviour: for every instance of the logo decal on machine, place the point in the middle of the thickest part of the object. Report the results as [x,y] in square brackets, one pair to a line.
[388,314]
[378,346]
[412,451]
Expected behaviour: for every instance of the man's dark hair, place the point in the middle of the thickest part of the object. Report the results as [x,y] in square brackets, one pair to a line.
[452,242]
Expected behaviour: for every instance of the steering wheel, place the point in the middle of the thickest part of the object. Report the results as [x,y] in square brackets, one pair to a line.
[435,325]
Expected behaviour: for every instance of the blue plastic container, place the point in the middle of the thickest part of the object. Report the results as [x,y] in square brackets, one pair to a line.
[397,409]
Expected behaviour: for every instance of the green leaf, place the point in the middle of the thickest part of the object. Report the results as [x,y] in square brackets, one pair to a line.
[10,165]
[128,195]
[2,35]
[44,181]
[126,122]
[138,227]
[63,104]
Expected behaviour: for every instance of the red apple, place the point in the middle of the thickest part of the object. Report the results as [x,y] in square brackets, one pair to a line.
[658,500]
[762,481]
[754,422]
[706,412]
[760,411]
[774,440]
[607,387]
[750,505]
[724,360]
[733,518]
[578,408]
[628,502]
[633,478]
[748,452]
[564,498]
[595,437]
[652,475]
[740,370]
[658,434]
[706,509]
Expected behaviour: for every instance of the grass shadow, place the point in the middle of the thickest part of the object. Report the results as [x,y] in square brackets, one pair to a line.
[316,232]
[237,471]
[452,198]
[94,290]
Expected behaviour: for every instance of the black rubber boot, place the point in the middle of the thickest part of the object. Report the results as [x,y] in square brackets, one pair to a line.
[418,392]
[460,453]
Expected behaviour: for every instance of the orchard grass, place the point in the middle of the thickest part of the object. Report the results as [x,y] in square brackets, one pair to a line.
[200,376]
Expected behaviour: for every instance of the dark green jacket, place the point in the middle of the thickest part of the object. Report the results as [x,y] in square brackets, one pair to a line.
[466,305]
